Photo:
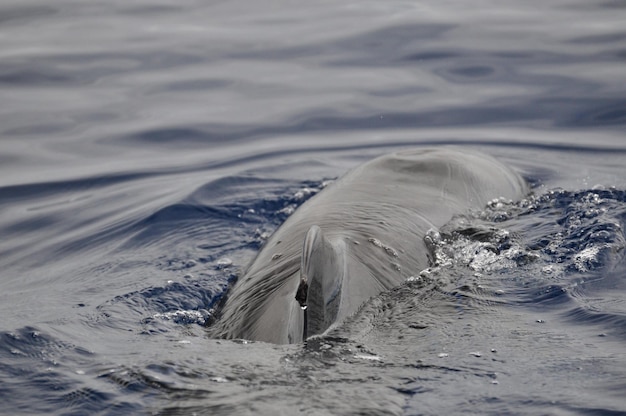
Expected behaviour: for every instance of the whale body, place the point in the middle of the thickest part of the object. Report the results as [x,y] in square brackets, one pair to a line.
[361,235]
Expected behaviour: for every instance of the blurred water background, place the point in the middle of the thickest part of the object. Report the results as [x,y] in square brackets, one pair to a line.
[148,148]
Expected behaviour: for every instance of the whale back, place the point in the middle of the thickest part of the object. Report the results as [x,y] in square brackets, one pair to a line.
[368,230]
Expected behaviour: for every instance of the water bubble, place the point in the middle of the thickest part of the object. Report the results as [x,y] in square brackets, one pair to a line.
[224,262]
[184,316]
[425,273]
[369,357]
[288,210]
[303,193]
[583,261]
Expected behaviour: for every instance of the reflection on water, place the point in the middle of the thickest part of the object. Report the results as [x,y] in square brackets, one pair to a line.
[149,149]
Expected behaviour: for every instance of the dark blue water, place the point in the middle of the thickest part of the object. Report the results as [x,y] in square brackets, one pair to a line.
[148,149]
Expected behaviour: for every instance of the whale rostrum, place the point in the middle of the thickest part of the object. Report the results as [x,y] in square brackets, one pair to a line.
[361,235]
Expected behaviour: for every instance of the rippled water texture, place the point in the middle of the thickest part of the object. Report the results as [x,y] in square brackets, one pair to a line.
[149,149]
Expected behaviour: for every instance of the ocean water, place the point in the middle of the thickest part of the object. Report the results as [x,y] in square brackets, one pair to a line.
[147,149]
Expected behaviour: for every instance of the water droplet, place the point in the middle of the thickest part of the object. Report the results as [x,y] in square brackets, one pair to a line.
[369,357]
[375,242]
[219,379]
[391,251]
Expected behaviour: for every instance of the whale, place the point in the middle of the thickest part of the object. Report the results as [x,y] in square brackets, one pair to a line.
[361,235]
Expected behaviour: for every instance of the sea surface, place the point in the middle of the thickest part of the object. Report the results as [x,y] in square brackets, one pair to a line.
[149,148]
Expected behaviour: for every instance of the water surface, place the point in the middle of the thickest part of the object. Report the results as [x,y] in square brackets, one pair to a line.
[149,149]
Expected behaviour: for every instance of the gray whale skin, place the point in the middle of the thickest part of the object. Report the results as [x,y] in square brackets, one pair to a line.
[361,235]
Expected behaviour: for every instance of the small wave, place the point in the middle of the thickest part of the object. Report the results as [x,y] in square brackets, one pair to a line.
[544,245]
[185,316]
[49,370]
[197,284]
[612,322]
